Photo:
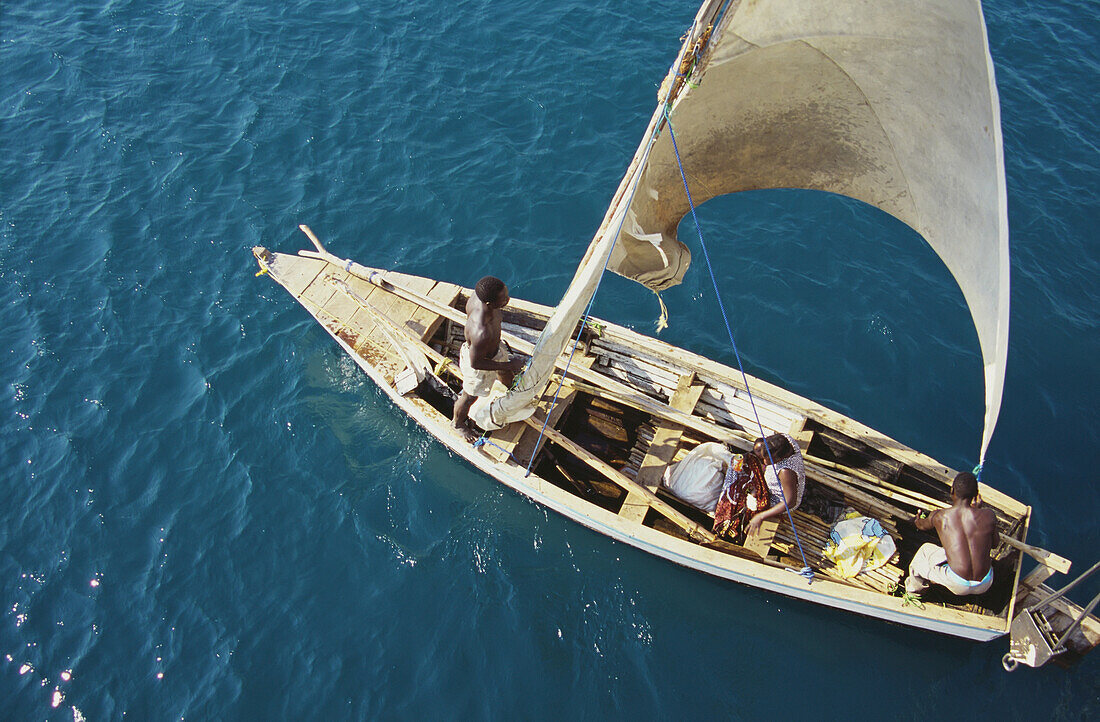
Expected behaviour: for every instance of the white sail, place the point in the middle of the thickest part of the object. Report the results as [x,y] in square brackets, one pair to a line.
[892,102]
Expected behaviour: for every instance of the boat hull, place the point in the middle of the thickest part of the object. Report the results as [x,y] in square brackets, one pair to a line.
[759,573]
[782,581]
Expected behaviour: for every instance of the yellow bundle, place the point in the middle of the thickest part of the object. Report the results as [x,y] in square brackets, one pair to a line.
[859,544]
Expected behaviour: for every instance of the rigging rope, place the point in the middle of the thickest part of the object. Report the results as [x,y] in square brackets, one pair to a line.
[588,310]
[806,571]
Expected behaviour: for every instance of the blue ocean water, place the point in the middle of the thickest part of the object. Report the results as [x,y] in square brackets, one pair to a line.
[209,513]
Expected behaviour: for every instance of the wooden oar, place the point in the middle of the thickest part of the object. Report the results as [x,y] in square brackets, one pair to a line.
[1050,559]
[913,498]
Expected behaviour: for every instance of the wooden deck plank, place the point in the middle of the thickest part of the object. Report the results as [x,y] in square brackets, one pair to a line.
[347,308]
[761,543]
[634,507]
[295,273]
[740,411]
[361,320]
[419,317]
[382,303]
[527,334]
[343,306]
[665,378]
[396,309]
[319,291]
[666,439]
[425,321]
[401,311]
[371,340]
[655,371]
[635,383]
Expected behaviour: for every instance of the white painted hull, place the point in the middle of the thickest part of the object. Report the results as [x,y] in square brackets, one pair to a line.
[308,285]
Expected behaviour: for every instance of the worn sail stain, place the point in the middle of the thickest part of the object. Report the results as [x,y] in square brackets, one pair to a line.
[892,103]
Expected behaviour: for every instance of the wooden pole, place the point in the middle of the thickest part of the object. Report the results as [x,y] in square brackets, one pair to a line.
[625,482]
[1050,559]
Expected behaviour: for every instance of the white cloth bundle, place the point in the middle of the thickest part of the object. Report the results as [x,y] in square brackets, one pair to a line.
[697,478]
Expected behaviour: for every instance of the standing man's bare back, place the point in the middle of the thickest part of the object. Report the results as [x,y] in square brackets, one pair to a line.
[482,330]
[483,357]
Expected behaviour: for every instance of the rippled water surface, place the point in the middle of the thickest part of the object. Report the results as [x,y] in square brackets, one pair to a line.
[209,513]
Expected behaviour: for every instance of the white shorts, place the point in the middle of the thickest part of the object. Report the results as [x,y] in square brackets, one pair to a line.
[476,382]
[929,566]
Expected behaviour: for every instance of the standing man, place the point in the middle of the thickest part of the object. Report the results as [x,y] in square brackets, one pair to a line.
[968,532]
[483,357]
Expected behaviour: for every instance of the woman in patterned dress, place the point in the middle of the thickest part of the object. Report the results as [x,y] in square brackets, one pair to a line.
[786,479]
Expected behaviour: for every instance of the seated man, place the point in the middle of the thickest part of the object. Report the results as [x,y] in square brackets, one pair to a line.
[968,532]
[484,357]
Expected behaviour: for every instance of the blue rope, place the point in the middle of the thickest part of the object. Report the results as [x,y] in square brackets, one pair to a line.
[557,391]
[806,571]
[588,309]
[587,313]
[483,440]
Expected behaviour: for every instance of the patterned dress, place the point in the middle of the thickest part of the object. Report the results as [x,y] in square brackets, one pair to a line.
[742,496]
[771,476]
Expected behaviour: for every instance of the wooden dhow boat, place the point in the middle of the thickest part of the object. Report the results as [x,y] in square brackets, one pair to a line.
[763,94]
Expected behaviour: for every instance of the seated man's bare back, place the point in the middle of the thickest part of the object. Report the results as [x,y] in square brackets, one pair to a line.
[967,532]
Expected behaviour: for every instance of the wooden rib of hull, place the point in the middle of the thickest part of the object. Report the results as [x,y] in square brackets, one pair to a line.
[346,321]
